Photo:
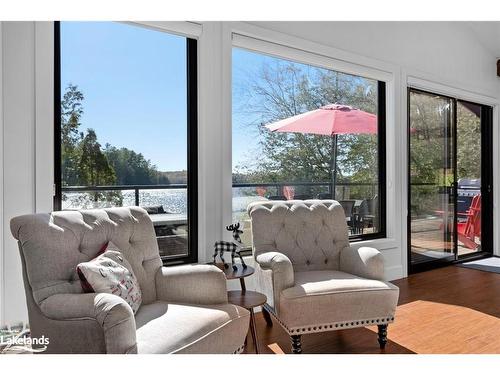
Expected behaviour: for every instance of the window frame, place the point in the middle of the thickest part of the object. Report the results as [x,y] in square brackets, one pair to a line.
[192,137]
[279,51]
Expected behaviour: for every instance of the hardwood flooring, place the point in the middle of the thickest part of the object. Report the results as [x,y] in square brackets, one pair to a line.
[447,310]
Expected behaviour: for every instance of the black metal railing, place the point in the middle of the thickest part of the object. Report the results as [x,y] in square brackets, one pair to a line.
[276,185]
[135,188]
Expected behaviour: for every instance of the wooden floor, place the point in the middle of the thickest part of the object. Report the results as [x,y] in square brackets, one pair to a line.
[448,310]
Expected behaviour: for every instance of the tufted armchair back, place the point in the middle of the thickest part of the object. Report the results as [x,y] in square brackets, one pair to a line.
[310,233]
[53,244]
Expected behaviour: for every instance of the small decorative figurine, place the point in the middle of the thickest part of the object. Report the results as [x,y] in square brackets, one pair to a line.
[234,247]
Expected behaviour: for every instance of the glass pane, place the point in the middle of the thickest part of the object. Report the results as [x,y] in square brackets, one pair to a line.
[431,178]
[468,177]
[309,162]
[124,123]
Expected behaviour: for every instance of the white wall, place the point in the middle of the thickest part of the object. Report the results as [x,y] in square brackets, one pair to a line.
[440,52]
[18,151]
[449,51]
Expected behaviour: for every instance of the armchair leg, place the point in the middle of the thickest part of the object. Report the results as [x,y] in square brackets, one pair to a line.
[296,344]
[382,335]
[267,317]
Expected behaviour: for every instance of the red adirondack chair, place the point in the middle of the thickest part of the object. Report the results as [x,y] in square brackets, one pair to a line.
[471,228]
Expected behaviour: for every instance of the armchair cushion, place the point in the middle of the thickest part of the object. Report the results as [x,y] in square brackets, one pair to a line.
[111,312]
[192,284]
[324,298]
[181,328]
[111,273]
[365,262]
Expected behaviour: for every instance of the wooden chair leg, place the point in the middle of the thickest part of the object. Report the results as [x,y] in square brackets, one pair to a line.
[267,317]
[296,344]
[382,335]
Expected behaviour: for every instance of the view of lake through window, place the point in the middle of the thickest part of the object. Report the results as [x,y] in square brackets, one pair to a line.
[124,123]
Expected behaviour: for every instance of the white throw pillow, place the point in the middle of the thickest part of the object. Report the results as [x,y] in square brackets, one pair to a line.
[111,273]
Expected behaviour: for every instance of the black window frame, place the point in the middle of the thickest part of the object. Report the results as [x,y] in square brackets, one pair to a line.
[192,144]
[382,166]
[486,119]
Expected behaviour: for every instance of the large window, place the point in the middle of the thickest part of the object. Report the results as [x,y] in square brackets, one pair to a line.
[335,149]
[125,126]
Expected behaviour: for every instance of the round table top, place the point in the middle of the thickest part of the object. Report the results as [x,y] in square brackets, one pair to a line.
[246,298]
[238,274]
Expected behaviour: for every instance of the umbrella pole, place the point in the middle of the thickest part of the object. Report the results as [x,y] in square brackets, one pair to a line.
[333,166]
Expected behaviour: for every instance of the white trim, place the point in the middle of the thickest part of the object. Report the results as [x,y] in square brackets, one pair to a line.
[2,244]
[450,89]
[286,40]
[181,28]
[44,116]
[304,56]
[227,124]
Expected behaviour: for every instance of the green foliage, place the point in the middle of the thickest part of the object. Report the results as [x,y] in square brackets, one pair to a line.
[431,149]
[283,90]
[85,163]
[132,168]
[71,112]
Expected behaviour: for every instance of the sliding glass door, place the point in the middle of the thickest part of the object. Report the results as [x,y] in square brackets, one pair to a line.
[449,179]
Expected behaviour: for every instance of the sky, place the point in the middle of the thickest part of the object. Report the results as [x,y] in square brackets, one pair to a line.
[134,83]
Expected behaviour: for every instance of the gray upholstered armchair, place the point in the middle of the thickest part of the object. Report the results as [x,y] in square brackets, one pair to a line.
[184,309]
[314,281]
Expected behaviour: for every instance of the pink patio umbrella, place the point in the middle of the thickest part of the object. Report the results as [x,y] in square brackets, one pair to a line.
[331,120]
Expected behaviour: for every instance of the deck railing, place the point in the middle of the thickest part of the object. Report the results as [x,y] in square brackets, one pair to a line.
[275,185]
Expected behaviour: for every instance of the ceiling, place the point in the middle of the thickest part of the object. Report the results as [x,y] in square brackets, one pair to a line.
[488,34]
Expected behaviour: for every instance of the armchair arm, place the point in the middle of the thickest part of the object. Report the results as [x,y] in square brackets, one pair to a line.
[111,312]
[195,284]
[365,262]
[276,275]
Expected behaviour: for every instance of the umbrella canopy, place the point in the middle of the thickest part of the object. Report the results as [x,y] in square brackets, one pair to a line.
[330,120]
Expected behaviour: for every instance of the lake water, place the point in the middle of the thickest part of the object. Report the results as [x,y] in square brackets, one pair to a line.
[172,200]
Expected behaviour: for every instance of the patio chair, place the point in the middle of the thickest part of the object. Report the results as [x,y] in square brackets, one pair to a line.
[324,196]
[348,206]
[470,229]
[302,197]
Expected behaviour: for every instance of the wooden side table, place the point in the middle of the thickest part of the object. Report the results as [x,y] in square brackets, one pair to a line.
[240,273]
[244,298]
[248,299]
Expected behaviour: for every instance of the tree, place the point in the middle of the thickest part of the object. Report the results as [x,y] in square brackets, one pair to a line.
[95,170]
[285,89]
[133,168]
[71,113]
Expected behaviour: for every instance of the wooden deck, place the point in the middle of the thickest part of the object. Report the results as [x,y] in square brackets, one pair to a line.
[427,239]
[448,310]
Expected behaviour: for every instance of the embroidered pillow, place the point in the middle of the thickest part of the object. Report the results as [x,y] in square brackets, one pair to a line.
[110,272]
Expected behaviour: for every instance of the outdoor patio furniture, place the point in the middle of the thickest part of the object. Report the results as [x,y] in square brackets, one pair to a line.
[324,196]
[367,214]
[277,198]
[470,229]
[302,196]
[313,279]
[348,206]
